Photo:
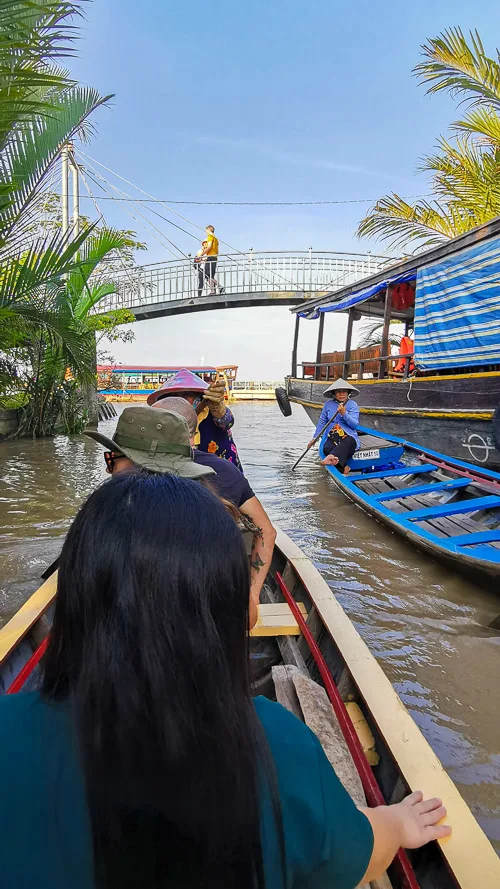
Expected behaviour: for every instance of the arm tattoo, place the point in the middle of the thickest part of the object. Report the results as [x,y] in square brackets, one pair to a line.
[258,533]
[257,562]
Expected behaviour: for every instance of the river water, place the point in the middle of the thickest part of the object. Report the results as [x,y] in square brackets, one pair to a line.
[427,626]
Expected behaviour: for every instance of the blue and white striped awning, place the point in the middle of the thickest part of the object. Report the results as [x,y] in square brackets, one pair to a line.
[457,309]
[357,296]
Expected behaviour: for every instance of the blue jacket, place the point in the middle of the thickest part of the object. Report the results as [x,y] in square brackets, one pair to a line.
[348,422]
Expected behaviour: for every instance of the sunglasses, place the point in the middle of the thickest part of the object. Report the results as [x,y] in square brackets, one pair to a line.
[110,458]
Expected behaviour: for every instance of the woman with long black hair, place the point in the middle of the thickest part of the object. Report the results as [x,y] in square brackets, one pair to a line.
[143,763]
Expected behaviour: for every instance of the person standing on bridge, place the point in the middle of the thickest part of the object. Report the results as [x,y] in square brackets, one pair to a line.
[211,253]
[214,418]
[201,267]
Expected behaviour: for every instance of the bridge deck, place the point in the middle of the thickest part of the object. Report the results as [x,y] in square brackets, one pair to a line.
[251,279]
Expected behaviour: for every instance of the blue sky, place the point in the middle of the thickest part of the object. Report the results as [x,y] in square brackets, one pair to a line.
[269,101]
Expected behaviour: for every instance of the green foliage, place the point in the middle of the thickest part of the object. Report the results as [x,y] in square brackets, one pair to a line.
[465,172]
[49,281]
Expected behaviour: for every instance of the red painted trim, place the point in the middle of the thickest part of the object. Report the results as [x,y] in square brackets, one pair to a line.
[372,791]
[28,668]
[474,476]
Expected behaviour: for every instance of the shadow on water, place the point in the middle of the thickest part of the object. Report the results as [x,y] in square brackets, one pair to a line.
[427,625]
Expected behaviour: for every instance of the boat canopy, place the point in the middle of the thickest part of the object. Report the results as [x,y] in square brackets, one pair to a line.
[457,309]
[456,313]
[358,296]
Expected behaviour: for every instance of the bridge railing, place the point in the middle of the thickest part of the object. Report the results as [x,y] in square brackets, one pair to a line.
[303,272]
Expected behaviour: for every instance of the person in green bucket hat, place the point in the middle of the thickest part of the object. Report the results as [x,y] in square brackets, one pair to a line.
[215,420]
[155,440]
[340,439]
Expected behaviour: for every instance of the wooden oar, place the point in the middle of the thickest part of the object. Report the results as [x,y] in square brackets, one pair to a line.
[320,433]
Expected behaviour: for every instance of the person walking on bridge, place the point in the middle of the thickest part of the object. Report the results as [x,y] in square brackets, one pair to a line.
[211,252]
[201,267]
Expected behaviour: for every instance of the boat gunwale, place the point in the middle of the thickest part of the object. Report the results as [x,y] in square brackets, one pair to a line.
[20,624]
[468,852]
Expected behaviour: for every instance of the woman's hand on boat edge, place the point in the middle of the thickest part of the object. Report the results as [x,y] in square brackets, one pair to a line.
[409,824]
[420,820]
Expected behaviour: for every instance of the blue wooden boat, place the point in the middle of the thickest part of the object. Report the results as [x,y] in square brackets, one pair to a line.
[441,504]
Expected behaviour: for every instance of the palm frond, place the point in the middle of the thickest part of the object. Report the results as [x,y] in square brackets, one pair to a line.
[394,220]
[482,123]
[460,67]
[45,263]
[31,152]
[371,335]
[94,250]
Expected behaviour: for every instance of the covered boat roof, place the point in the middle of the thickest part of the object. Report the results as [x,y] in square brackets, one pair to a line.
[154,368]
[369,289]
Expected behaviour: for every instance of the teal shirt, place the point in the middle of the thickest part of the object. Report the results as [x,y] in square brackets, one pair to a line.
[44,826]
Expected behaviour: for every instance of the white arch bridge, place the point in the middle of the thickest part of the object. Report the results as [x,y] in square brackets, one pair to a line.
[247,279]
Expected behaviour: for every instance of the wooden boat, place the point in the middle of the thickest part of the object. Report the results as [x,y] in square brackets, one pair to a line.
[443,505]
[446,395]
[302,626]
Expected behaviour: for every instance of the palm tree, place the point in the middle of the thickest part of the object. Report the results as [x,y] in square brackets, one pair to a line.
[465,174]
[41,108]
[58,394]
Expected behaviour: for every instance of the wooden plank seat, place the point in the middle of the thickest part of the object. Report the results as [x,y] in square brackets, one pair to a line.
[441,526]
[276,619]
[367,442]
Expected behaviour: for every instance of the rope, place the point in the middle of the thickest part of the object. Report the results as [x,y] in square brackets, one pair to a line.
[265,203]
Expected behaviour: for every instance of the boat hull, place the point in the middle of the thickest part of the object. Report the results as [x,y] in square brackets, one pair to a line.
[454,415]
[406,761]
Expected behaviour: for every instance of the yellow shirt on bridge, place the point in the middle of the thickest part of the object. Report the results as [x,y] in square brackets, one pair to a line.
[213,245]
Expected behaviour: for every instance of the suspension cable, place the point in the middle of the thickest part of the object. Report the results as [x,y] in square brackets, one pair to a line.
[180,215]
[125,268]
[159,236]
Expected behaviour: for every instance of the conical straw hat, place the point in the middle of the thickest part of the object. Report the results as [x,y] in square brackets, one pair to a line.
[341,384]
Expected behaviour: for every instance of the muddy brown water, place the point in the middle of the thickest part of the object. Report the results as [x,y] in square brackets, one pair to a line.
[427,625]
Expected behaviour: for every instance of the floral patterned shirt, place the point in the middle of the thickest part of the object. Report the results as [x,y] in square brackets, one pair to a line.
[216,438]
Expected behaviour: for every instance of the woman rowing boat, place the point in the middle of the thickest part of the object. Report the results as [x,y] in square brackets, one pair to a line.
[144,762]
[340,440]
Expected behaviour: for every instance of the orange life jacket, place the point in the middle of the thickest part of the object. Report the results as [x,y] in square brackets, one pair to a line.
[406,348]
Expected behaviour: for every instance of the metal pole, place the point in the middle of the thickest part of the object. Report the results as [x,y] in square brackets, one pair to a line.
[250,269]
[64,189]
[295,345]
[319,349]
[310,269]
[347,353]
[385,331]
[76,196]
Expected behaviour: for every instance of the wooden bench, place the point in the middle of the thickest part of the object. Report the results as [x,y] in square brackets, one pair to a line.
[276,619]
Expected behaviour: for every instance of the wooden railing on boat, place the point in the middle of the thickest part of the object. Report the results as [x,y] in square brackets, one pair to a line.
[334,364]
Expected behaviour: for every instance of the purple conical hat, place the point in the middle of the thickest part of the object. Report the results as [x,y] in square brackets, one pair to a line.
[183,381]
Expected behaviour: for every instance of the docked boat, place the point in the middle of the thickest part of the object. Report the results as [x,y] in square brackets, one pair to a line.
[134,382]
[443,388]
[378,751]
